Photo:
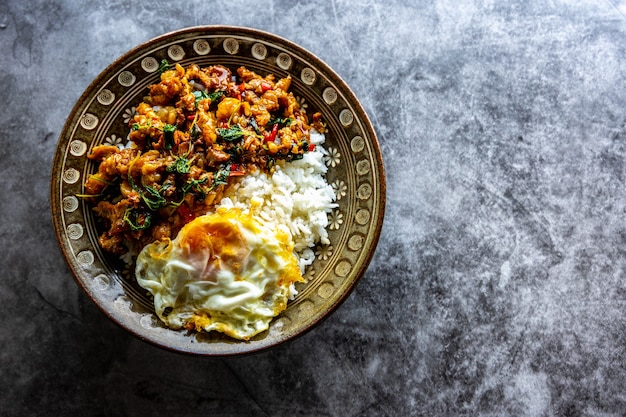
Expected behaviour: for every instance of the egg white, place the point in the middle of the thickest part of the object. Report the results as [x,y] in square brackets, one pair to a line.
[224,271]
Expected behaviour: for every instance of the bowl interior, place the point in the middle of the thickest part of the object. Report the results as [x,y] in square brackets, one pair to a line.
[355,171]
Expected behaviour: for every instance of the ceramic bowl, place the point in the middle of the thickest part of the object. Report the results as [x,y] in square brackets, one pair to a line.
[355,171]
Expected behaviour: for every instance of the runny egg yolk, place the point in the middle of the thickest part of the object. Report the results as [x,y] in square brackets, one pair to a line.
[222,241]
[225,271]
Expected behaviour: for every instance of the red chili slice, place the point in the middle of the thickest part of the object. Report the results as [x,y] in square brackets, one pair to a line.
[184,212]
[236,170]
[272,135]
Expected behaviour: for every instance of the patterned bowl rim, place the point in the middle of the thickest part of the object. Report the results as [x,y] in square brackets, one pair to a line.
[235,31]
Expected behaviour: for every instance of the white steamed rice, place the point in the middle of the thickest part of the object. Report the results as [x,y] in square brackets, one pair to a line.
[295,197]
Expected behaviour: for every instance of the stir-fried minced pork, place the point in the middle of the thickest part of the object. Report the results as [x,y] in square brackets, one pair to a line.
[198,132]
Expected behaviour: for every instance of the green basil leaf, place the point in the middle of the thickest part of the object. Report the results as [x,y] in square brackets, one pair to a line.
[232,134]
[163,66]
[168,136]
[135,220]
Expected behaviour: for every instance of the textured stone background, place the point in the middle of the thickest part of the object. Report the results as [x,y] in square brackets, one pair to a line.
[498,284]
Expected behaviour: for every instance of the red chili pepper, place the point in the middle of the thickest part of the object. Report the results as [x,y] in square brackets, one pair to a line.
[185,213]
[272,135]
[191,116]
[241,88]
[265,86]
[311,147]
[236,170]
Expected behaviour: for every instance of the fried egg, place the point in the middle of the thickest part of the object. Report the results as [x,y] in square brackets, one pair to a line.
[225,271]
